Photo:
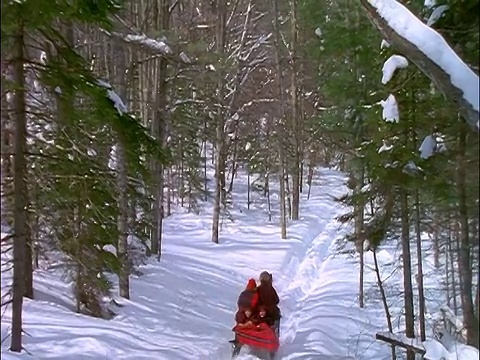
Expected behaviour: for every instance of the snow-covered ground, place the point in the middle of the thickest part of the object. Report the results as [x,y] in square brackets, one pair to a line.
[183,307]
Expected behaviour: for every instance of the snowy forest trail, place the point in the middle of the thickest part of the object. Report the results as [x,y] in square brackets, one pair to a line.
[303,274]
[319,292]
[319,289]
[183,307]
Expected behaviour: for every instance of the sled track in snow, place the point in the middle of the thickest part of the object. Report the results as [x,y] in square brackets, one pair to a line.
[303,273]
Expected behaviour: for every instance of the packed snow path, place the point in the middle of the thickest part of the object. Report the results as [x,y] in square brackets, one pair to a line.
[183,307]
[319,292]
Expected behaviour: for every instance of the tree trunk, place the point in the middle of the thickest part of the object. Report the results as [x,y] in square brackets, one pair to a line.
[269,203]
[477,296]
[6,134]
[169,191]
[288,193]
[436,248]
[407,271]
[266,182]
[189,190]
[181,178]
[234,163]
[452,267]
[421,295]
[311,168]
[301,127]
[122,244]
[248,189]
[295,116]
[469,319]
[158,127]
[20,188]
[220,132]
[277,41]
[359,217]
[120,67]
[205,178]
[447,276]
[28,262]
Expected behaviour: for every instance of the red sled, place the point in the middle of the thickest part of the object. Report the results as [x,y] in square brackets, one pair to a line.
[261,336]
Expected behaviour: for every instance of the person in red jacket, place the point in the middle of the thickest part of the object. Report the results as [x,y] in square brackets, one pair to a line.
[249,297]
[267,296]
[247,301]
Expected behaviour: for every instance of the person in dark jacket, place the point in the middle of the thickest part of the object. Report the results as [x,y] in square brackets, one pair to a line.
[267,295]
[248,298]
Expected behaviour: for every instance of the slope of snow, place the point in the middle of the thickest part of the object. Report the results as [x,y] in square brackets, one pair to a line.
[433,45]
[389,258]
[183,307]
[435,350]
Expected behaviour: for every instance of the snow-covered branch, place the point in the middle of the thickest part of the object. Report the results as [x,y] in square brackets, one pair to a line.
[155,46]
[429,52]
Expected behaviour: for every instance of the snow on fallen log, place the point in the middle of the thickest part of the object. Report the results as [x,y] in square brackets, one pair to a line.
[429,51]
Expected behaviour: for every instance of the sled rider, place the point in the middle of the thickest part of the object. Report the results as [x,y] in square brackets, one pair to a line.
[267,295]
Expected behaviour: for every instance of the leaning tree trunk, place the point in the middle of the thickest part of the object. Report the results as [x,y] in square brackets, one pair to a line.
[388,316]
[20,187]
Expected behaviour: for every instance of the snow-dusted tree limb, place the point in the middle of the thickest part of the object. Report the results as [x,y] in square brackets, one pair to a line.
[155,46]
[159,47]
[464,96]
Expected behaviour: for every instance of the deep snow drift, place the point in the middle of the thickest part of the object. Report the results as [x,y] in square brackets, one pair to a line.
[183,307]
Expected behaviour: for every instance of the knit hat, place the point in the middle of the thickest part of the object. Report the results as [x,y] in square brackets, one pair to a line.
[252,284]
[265,276]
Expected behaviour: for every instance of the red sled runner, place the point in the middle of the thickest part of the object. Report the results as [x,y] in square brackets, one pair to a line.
[260,338]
